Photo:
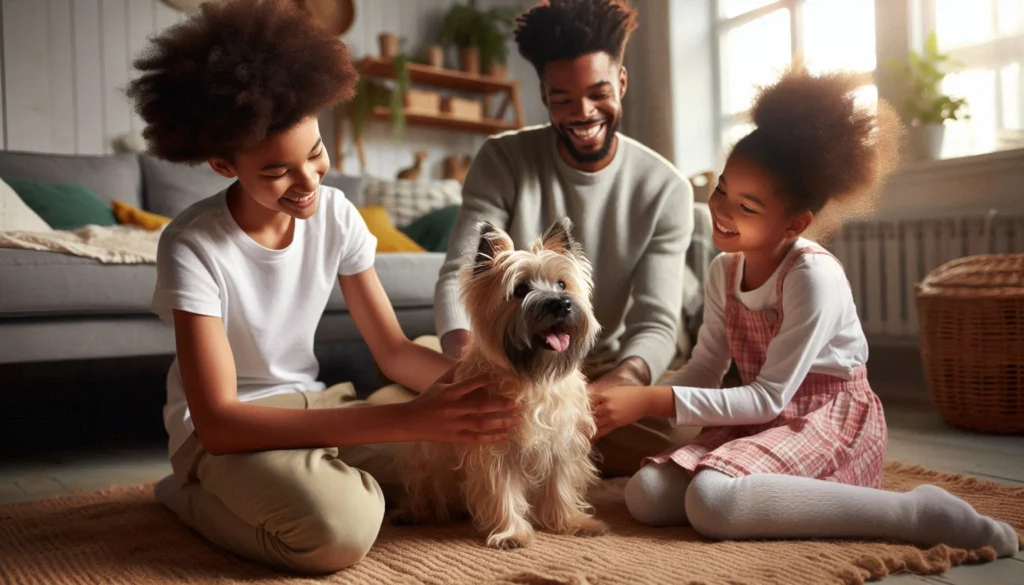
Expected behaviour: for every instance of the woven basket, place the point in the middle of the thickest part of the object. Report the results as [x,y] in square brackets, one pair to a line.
[971,315]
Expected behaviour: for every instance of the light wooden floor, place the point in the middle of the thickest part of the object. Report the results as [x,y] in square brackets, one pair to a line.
[917,435]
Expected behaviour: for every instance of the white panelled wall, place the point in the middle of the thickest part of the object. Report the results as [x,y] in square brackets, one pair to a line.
[65,63]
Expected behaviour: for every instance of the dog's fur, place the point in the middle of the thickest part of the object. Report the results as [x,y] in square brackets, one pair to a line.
[539,476]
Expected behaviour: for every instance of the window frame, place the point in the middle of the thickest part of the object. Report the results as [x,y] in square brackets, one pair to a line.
[905,24]
[992,54]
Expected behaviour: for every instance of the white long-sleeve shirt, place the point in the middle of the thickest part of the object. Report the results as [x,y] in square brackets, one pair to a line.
[820,333]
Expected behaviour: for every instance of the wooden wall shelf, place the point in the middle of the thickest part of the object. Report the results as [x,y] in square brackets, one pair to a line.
[486,87]
[437,77]
[445,122]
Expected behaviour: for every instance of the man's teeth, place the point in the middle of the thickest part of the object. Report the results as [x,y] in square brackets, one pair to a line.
[300,199]
[589,132]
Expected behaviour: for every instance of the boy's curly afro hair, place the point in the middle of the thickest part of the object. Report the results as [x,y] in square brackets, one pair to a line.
[234,73]
[821,148]
[554,30]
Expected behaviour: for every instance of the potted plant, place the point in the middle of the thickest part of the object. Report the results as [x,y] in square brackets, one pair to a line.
[481,36]
[926,107]
[390,45]
[371,93]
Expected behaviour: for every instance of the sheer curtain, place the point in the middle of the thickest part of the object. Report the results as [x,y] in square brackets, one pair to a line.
[647,107]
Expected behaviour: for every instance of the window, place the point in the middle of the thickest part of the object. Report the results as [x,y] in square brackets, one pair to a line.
[986,37]
[757,39]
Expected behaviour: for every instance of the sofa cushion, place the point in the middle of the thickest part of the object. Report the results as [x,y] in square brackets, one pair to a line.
[350,185]
[171,187]
[433,229]
[66,206]
[408,200]
[50,284]
[408,278]
[110,177]
[131,215]
[389,238]
[15,215]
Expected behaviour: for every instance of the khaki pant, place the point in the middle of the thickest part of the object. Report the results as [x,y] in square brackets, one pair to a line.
[320,510]
[307,510]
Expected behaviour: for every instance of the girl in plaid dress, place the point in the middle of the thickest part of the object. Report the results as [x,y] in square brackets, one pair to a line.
[796,451]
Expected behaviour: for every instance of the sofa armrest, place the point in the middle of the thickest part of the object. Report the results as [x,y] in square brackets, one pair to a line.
[699,255]
[698,258]
[702,249]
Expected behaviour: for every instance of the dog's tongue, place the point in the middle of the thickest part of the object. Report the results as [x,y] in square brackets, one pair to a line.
[558,341]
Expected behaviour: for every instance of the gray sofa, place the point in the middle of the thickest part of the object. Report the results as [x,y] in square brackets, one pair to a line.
[61,307]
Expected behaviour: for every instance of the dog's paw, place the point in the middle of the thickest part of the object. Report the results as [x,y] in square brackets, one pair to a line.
[588,526]
[510,541]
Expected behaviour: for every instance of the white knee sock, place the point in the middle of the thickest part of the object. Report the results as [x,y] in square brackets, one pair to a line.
[656,494]
[783,506]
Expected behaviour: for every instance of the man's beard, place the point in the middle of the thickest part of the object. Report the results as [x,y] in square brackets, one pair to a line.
[599,154]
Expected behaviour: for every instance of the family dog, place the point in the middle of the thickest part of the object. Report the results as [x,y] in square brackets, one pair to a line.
[532,327]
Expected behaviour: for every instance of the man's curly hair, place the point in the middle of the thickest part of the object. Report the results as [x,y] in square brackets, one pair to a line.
[821,148]
[234,73]
[554,30]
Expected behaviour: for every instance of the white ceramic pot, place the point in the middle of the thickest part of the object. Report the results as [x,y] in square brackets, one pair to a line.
[927,140]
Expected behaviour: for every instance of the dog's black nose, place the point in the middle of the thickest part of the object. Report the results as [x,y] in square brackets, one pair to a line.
[559,307]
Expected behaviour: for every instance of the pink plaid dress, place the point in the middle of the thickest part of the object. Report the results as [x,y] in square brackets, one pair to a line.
[832,429]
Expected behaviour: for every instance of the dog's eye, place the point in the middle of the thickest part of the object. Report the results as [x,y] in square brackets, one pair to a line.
[521,291]
[561,284]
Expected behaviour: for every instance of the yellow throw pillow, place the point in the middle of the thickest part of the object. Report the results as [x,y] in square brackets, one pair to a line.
[389,238]
[130,215]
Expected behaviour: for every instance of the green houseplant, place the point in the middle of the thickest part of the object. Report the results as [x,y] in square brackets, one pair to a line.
[926,107]
[371,93]
[481,36]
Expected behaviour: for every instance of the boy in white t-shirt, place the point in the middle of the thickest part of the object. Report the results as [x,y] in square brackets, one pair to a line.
[269,463]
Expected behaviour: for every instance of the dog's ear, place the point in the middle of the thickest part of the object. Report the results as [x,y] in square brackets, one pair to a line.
[558,238]
[492,242]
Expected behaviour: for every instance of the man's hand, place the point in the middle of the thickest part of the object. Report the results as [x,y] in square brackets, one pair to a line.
[455,342]
[633,371]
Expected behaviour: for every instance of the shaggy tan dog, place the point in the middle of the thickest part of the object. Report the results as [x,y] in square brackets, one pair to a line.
[532,327]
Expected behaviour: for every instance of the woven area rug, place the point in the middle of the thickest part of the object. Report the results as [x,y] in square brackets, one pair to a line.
[124,536]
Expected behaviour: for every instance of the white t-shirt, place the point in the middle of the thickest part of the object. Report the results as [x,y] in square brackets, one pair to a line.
[270,301]
[820,333]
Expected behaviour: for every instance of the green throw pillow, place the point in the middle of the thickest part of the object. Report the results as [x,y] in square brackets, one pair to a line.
[63,206]
[432,230]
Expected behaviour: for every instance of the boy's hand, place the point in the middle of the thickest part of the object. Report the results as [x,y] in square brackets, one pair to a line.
[460,412]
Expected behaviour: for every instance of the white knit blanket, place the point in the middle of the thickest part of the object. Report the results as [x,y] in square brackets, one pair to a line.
[117,244]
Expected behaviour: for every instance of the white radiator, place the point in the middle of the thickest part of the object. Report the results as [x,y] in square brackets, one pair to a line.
[885,258]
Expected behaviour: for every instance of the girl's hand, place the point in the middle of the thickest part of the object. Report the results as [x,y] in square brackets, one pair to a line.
[460,412]
[618,406]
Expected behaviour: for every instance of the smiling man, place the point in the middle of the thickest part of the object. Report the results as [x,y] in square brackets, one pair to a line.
[632,210]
